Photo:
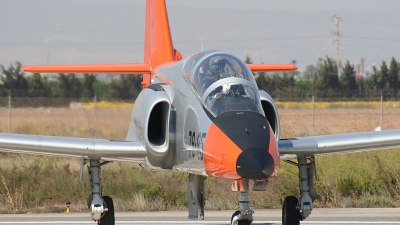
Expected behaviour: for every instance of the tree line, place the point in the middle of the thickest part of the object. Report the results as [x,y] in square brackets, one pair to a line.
[323,81]
[320,80]
[66,87]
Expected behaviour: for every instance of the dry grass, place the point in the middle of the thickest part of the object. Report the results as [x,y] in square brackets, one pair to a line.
[335,105]
[298,122]
[136,189]
[113,123]
[109,123]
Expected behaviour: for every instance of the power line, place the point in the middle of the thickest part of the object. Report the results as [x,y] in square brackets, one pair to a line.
[371,38]
[176,42]
[370,46]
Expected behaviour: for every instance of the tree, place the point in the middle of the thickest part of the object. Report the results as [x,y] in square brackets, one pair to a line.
[261,81]
[328,82]
[14,80]
[348,80]
[286,85]
[362,85]
[385,76]
[378,80]
[88,85]
[248,60]
[127,87]
[303,88]
[101,89]
[38,86]
[70,86]
[375,80]
[393,76]
[310,72]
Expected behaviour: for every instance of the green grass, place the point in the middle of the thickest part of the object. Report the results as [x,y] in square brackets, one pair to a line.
[44,184]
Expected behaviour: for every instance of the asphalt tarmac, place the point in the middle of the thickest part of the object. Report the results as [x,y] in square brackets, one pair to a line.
[324,216]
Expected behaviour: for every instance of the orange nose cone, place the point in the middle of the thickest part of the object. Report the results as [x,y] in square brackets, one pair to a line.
[220,154]
[241,145]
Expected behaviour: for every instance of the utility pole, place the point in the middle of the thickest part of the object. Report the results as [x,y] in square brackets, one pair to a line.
[336,19]
[362,67]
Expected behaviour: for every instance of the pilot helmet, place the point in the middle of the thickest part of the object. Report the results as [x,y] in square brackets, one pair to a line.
[217,63]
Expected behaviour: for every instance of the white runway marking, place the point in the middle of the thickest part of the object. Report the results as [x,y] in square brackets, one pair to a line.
[200,222]
[322,216]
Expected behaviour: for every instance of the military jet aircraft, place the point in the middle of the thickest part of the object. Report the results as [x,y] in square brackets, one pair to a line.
[202,115]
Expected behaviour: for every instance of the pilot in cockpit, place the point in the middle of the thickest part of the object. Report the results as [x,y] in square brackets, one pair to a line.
[211,71]
[217,65]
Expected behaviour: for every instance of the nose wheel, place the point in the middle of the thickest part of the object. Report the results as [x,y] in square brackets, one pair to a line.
[235,220]
[290,213]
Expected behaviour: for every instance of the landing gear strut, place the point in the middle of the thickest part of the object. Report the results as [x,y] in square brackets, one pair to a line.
[102,207]
[245,215]
[294,210]
[196,198]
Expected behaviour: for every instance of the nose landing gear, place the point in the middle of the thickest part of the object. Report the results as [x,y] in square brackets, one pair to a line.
[245,215]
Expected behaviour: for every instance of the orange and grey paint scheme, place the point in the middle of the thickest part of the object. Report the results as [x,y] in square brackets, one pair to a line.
[241,146]
[254,156]
[203,115]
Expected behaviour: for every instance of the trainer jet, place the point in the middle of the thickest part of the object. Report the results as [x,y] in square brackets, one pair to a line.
[202,115]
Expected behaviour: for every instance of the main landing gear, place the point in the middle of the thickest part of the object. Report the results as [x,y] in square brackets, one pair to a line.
[102,207]
[293,210]
[196,198]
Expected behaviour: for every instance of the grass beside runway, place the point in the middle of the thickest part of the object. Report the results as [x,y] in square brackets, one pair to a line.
[43,184]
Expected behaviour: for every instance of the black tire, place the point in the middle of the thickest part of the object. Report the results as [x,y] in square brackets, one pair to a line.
[244,222]
[240,222]
[109,217]
[290,215]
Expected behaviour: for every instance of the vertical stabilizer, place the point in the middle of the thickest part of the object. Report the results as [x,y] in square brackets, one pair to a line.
[158,47]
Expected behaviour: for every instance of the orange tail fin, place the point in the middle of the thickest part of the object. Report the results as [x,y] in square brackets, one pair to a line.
[158,47]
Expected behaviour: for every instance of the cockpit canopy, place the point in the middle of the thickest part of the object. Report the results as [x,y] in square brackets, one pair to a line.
[207,67]
[222,82]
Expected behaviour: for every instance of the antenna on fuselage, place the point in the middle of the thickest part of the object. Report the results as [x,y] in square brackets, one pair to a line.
[202,44]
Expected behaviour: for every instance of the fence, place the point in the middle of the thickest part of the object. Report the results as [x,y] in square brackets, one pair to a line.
[318,118]
[110,118]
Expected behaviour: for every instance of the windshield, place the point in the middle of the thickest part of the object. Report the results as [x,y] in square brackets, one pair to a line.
[232,97]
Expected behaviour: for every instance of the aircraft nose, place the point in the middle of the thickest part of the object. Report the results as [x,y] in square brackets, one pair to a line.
[255,163]
[241,145]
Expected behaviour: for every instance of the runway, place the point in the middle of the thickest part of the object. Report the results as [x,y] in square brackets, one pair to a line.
[324,216]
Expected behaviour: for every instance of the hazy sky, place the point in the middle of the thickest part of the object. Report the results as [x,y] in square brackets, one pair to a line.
[111,31]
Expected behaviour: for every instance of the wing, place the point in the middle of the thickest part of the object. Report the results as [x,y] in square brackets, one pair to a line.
[338,143]
[76,147]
